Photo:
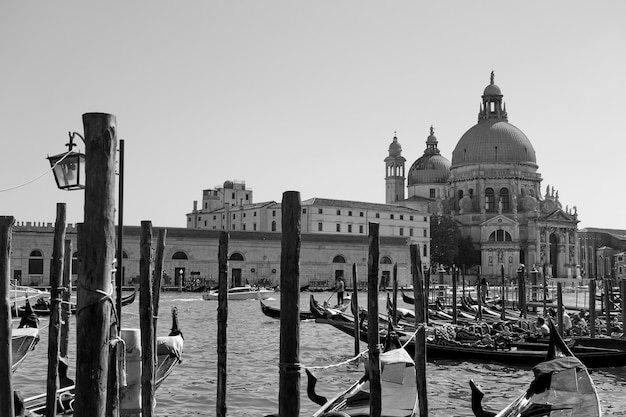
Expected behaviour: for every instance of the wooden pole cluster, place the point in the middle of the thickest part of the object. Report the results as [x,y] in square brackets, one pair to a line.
[373,336]
[222,321]
[354,303]
[420,337]
[6,351]
[56,292]
[289,366]
[93,317]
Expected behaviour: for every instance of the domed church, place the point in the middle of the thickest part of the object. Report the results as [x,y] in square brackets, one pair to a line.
[492,188]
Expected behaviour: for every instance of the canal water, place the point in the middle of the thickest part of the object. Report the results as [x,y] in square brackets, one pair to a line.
[252,369]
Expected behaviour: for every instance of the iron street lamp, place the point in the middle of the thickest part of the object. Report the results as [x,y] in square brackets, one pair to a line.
[69,167]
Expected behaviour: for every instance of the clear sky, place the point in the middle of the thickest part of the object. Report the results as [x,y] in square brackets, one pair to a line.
[306,96]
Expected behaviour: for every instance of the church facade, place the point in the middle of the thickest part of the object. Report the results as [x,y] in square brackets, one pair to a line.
[492,189]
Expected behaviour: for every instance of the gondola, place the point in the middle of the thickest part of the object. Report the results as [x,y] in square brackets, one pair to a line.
[42,306]
[398,390]
[274,312]
[322,311]
[562,386]
[499,351]
[169,350]
[24,338]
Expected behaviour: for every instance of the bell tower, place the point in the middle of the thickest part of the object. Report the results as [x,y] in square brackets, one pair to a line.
[394,173]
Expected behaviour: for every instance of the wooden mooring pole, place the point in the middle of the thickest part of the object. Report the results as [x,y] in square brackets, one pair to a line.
[289,366]
[455,284]
[354,305]
[66,307]
[373,335]
[6,352]
[502,294]
[592,307]
[394,313]
[56,292]
[93,316]
[420,337]
[146,319]
[608,289]
[158,276]
[559,308]
[222,320]
[622,292]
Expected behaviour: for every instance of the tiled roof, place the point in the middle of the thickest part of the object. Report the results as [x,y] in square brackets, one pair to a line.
[327,202]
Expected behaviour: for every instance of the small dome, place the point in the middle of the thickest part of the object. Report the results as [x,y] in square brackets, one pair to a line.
[429,169]
[395,149]
[229,185]
[492,90]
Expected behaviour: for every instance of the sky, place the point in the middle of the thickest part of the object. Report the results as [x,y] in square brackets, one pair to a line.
[305,96]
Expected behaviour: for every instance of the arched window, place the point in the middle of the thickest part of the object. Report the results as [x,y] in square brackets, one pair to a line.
[504,199]
[179,255]
[236,257]
[489,200]
[339,259]
[35,263]
[500,236]
[273,226]
[385,260]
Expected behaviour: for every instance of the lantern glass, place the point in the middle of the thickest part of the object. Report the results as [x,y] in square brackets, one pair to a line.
[69,171]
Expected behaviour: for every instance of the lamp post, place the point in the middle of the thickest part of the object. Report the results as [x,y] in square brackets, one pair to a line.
[69,173]
[69,167]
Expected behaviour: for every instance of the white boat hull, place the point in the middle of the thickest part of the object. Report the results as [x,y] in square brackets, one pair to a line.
[241,293]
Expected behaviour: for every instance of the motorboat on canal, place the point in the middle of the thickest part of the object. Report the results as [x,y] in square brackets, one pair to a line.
[246,292]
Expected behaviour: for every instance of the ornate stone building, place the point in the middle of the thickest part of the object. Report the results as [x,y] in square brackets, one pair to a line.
[492,188]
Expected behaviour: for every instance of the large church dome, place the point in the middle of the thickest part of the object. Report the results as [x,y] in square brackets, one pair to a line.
[493,139]
[432,167]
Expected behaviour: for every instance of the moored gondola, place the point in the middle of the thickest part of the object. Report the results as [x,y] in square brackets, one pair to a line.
[399,396]
[274,312]
[24,338]
[562,386]
[444,346]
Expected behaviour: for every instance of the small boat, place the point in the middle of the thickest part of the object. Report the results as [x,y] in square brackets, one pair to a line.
[169,350]
[42,305]
[323,310]
[24,338]
[398,390]
[274,312]
[443,346]
[247,292]
[562,386]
